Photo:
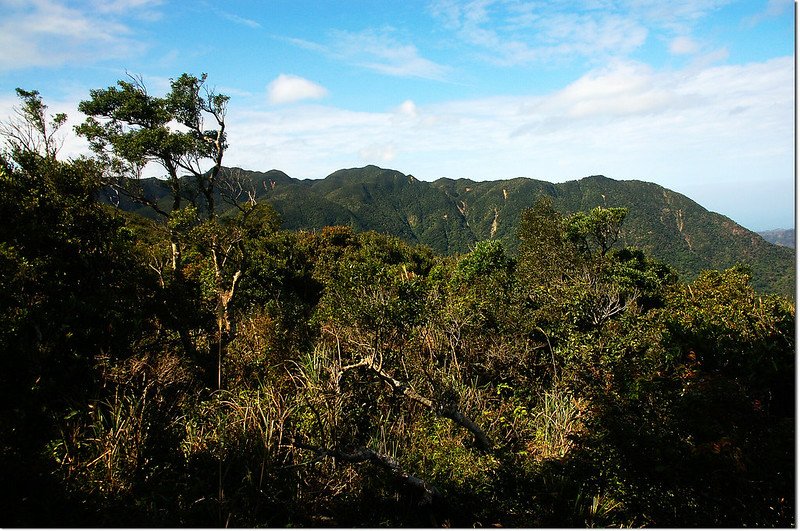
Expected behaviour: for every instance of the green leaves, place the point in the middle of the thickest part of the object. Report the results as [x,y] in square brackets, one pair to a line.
[184,219]
[731,329]
[486,259]
[598,229]
[128,128]
[373,286]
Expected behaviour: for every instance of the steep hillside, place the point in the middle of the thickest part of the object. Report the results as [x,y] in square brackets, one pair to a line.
[451,215]
[682,233]
[669,225]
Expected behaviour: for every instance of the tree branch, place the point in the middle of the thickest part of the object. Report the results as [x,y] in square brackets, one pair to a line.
[138,198]
[443,410]
[361,455]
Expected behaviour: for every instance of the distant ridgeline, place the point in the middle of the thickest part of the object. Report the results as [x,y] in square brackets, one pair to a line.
[452,215]
[782,237]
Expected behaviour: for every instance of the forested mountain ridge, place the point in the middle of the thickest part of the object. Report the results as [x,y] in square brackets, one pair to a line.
[451,215]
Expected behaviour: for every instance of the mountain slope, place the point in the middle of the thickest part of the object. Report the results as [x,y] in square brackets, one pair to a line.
[451,215]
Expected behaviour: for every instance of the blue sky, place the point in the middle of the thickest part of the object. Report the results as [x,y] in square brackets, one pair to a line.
[695,95]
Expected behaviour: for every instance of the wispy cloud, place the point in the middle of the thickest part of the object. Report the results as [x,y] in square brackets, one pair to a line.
[678,16]
[140,8]
[42,33]
[377,153]
[514,33]
[683,45]
[288,89]
[623,89]
[775,8]
[241,20]
[232,17]
[377,50]
[517,32]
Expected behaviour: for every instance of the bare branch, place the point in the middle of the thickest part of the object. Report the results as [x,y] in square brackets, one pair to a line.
[362,455]
[447,410]
[30,131]
[138,198]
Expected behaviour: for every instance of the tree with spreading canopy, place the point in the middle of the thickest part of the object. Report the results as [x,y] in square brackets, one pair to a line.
[128,129]
[183,132]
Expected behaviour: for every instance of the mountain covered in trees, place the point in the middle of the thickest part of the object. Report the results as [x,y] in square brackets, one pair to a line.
[210,367]
[451,216]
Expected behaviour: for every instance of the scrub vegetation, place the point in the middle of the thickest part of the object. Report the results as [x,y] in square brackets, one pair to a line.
[206,367]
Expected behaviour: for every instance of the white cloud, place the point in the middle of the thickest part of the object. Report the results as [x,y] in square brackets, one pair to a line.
[250,23]
[774,8]
[288,88]
[513,33]
[44,33]
[625,89]
[408,108]
[377,50]
[139,7]
[683,45]
[709,58]
[678,16]
[378,153]
[518,32]
[236,19]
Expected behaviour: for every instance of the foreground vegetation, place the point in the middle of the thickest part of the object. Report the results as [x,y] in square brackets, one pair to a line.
[213,370]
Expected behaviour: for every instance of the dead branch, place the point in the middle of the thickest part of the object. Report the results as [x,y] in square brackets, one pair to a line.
[362,455]
[130,187]
[447,410]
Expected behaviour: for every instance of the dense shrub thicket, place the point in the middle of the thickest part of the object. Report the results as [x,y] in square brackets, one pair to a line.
[216,371]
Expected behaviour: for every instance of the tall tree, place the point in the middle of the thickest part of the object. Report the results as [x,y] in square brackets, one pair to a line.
[31,132]
[545,255]
[129,128]
[597,229]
